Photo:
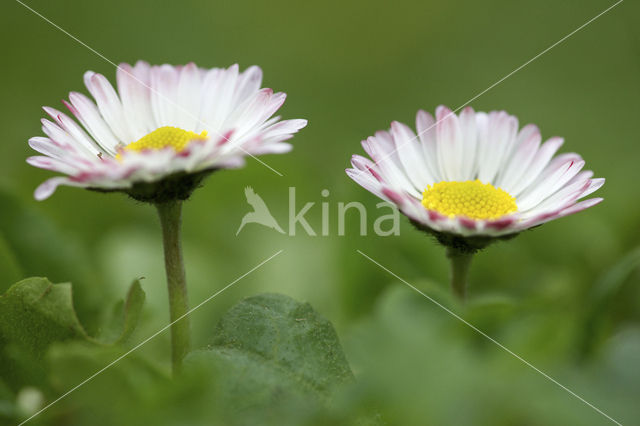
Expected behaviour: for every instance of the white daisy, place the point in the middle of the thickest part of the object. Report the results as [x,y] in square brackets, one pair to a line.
[162,131]
[473,177]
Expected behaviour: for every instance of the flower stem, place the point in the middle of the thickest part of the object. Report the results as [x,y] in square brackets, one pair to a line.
[170,219]
[460,264]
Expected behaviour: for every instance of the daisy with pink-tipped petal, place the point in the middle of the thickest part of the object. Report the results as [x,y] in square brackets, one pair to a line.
[156,138]
[472,178]
[162,122]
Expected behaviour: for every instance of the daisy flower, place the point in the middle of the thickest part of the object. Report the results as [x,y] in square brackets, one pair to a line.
[473,178]
[161,130]
[156,138]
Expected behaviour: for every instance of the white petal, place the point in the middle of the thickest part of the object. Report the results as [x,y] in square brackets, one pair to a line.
[216,109]
[53,164]
[540,161]
[164,95]
[426,127]
[449,144]
[367,182]
[109,105]
[248,84]
[47,147]
[527,145]
[410,154]
[189,97]
[549,182]
[390,170]
[469,136]
[48,187]
[498,136]
[563,197]
[593,186]
[134,89]
[87,113]
[82,141]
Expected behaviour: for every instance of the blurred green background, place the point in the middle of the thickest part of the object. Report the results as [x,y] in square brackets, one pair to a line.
[565,296]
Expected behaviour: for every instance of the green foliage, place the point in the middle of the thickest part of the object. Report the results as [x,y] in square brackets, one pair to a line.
[31,245]
[288,335]
[273,361]
[419,365]
[33,314]
[124,317]
[133,376]
[272,353]
[36,314]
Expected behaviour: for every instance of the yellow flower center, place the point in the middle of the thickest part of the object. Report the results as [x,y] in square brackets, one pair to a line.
[470,198]
[164,137]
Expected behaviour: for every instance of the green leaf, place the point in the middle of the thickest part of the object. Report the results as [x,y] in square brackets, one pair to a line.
[272,349]
[34,313]
[288,334]
[124,317]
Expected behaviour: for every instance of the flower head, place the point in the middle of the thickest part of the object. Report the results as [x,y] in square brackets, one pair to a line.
[475,177]
[161,131]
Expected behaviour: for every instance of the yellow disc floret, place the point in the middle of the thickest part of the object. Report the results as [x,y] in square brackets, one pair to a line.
[470,198]
[164,137]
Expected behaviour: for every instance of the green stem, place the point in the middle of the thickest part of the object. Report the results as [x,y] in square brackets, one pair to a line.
[170,218]
[460,264]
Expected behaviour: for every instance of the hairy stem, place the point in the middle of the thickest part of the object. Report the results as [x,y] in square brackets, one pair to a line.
[460,265]
[170,218]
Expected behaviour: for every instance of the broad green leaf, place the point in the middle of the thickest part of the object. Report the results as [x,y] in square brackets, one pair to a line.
[287,334]
[272,349]
[34,313]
